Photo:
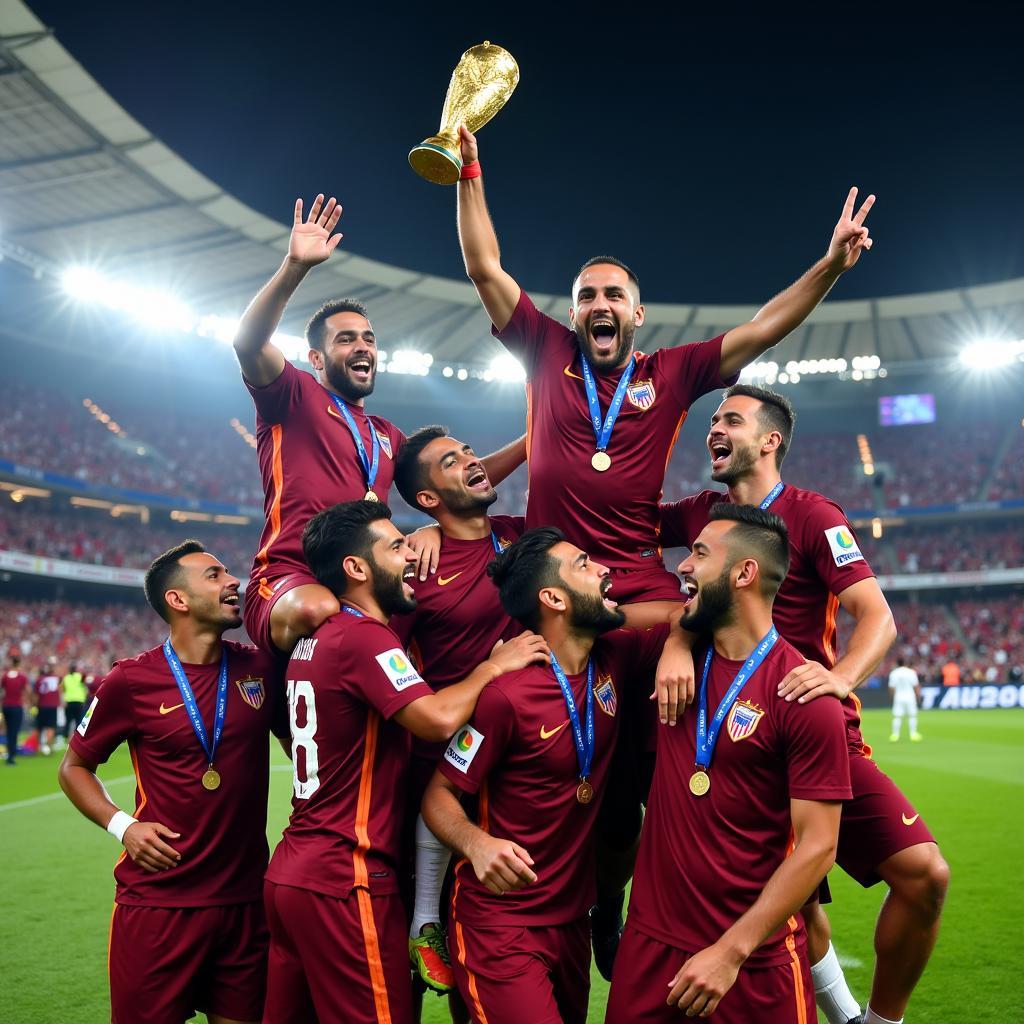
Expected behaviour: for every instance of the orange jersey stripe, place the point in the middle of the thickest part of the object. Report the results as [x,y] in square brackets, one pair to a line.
[110,939]
[277,433]
[460,946]
[529,424]
[373,960]
[828,636]
[142,792]
[798,978]
[359,874]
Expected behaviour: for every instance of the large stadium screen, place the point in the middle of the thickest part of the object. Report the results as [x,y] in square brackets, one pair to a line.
[902,410]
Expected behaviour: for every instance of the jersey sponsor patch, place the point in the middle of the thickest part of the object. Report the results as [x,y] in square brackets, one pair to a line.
[607,700]
[843,545]
[397,667]
[84,723]
[463,748]
[743,720]
[252,691]
[641,393]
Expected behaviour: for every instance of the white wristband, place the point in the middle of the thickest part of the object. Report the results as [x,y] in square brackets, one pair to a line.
[118,825]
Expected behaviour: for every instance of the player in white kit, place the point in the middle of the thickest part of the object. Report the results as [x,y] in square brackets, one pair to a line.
[906,690]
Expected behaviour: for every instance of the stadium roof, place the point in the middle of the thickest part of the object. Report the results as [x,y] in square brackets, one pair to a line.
[82,181]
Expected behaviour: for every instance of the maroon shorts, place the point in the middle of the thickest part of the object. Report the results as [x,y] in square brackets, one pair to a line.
[336,961]
[651,583]
[166,963]
[263,591]
[878,822]
[644,967]
[511,975]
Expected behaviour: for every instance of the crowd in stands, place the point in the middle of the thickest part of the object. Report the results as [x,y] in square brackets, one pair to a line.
[953,547]
[1008,479]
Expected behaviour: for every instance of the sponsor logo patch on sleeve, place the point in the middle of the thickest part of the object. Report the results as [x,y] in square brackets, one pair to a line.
[84,723]
[843,545]
[397,667]
[463,747]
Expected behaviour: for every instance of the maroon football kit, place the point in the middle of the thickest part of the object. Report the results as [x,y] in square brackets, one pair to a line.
[613,515]
[825,559]
[48,691]
[14,686]
[206,911]
[518,753]
[720,849]
[338,931]
[308,462]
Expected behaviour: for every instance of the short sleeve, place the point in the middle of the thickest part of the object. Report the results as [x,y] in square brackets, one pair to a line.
[682,521]
[648,645]
[527,332]
[832,546]
[695,369]
[109,721]
[817,758]
[478,746]
[381,672]
[274,401]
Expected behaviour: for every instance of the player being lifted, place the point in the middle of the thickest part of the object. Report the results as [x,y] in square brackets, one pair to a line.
[882,836]
[315,442]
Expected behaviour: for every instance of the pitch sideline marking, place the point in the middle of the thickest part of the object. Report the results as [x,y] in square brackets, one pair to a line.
[849,961]
[56,796]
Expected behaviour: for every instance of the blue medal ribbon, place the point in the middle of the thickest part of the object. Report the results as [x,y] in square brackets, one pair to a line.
[495,543]
[584,744]
[353,611]
[707,736]
[369,467]
[603,431]
[185,689]
[771,496]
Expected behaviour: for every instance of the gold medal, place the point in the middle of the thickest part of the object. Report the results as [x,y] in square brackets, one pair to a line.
[211,779]
[584,792]
[700,783]
[370,496]
[601,461]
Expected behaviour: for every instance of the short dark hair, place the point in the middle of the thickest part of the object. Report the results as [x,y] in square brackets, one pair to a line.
[776,413]
[760,535]
[315,324]
[597,260]
[337,532]
[411,474]
[522,569]
[163,574]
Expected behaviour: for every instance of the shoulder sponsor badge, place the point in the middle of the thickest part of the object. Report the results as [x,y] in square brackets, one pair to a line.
[385,443]
[641,393]
[463,748]
[743,720]
[607,700]
[843,545]
[397,667]
[252,691]
[84,723]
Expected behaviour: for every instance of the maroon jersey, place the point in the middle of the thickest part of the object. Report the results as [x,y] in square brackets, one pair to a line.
[612,515]
[519,754]
[48,691]
[824,559]
[714,854]
[223,842]
[309,461]
[350,759]
[14,686]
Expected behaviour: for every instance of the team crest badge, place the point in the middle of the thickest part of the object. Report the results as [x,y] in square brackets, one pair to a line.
[385,443]
[503,542]
[743,720]
[252,691]
[641,393]
[605,694]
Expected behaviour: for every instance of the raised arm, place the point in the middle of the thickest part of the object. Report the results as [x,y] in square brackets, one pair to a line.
[505,461]
[788,310]
[311,242]
[498,291]
[705,978]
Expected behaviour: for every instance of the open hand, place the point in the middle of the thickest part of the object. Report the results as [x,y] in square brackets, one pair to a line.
[145,844]
[810,680]
[526,649]
[311,240]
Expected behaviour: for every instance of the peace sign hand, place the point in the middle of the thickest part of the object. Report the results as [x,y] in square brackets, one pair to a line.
[850,237]
[311,240]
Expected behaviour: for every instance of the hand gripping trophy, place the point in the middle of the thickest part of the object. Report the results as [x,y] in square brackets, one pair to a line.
[481,84]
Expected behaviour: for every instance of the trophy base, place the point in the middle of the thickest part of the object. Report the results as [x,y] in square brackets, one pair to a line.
[432,160]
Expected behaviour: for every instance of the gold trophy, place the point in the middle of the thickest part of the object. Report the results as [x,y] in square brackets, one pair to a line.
[481,84]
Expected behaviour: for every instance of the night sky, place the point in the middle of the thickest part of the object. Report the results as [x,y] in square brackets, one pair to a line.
[712,152]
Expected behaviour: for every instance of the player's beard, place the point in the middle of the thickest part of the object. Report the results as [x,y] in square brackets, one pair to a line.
[741,462]
[389,593]
[458,499]
[712,607]
[606,362]
[340,382]
[591,614]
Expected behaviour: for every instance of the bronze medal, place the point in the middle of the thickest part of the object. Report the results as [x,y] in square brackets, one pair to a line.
[601,461]
[370,496]
[700,783]
[211,779]
[584,792]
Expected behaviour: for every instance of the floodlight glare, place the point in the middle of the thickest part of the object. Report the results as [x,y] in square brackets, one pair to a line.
[991,353]
[506,368]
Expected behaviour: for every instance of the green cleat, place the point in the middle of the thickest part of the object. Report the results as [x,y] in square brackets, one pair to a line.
[429,955]
[916,737]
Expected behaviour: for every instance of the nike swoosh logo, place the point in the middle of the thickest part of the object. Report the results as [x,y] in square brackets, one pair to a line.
[910,821]
[546,734]
[443,581]
[568,372]
[167,711]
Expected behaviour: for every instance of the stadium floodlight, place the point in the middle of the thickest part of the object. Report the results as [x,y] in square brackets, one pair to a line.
[991,353]
[448,372]
[149,306]
[506,368]
[463,373]
[410,361]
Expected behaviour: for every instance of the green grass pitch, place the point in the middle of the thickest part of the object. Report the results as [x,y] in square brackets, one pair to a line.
[966,778]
